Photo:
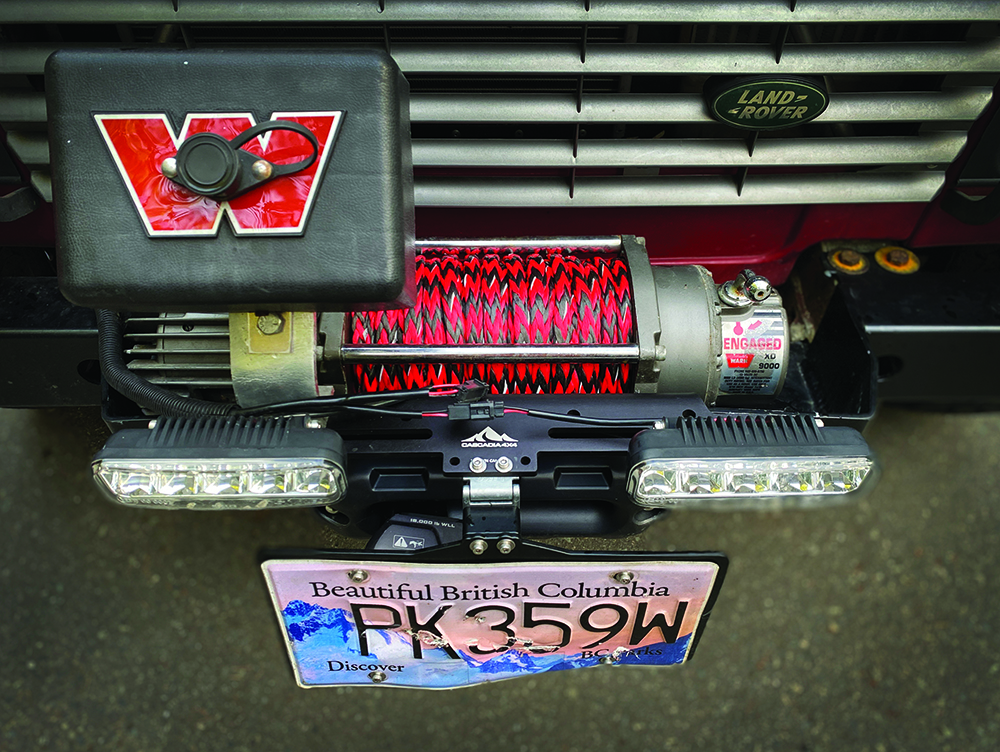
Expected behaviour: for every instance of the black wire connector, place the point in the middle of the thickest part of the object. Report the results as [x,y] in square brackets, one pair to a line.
[475,410]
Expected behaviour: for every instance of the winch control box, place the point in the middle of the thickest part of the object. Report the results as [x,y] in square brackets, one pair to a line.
[233,180]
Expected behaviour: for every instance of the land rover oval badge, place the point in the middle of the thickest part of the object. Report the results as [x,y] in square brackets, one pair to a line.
[765,103]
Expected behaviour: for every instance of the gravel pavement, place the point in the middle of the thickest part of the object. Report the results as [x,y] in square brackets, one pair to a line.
[864,627]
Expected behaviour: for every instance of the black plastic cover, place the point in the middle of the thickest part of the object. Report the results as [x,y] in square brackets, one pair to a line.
[356,250]
[224,438]
[747,436]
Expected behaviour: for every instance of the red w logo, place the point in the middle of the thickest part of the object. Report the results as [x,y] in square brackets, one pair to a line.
[140,143]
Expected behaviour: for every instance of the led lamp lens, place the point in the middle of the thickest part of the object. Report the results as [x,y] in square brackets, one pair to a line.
[661,482]
[223,463]
[221,485]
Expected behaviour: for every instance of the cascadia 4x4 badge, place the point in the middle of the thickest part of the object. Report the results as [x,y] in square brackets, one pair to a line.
[764,103]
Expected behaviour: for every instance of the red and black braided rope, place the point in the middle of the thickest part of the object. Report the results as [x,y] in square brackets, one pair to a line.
[551,296]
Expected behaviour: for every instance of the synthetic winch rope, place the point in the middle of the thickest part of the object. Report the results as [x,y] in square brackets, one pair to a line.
[504,296]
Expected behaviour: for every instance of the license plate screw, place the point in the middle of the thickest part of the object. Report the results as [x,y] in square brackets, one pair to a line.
[357,575]
[505,545]
[377,677]
[623,577]
[478,546]
[607,660]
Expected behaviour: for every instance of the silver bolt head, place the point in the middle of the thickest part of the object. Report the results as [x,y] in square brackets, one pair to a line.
[478,546]
[623,577]
[377,677]
[270,323]
[477,465]
[759,289]
[261,169]
[505,545]
[313,424]
[169,167]
[357,575]
[607,660]
[504,464]
[152,424]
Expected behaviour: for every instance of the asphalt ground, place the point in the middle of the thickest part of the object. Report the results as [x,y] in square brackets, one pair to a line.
[865,627]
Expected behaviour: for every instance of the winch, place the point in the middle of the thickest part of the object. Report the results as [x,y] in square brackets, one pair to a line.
[566,316]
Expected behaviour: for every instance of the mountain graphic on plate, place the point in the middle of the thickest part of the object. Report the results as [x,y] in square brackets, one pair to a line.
[488,435]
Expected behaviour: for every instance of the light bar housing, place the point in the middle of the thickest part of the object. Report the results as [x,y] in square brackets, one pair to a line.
[731,462]
[222,464]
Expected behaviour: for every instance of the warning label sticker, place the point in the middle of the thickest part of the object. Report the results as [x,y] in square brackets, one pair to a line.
[753,352]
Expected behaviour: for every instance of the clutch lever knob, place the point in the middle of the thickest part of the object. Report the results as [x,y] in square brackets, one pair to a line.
[209,165]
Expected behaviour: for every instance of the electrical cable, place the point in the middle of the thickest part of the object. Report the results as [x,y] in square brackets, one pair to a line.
[110,346]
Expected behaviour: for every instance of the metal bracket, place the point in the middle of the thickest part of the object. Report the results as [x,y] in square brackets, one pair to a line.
[272,357]
[646,311]
[331,327]
[491,507]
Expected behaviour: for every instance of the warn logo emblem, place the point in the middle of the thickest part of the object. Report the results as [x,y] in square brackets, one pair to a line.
[139,144]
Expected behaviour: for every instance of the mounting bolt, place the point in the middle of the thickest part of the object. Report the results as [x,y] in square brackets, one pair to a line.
[607,660]
[746,289]
[898,257]
[152,424]
[478,546]
[357,575]
[169,167]
[477,465]
[377,677]
[897,260]
[504,465]
[270,323]
[505,545]
[313,424]
[623,577]
[261,169]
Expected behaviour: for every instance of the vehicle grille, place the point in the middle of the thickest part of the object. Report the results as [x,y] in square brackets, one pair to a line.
[579,103]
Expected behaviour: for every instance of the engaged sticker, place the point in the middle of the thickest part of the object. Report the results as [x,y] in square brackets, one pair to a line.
[753,352]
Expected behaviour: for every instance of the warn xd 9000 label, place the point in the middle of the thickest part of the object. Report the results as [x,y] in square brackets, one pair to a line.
[754,350]
[439,626]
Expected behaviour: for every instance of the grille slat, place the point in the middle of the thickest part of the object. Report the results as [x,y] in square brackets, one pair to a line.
[697,59]
[981,56]
[956,104]
[825,188]
[932,147]
[512,11]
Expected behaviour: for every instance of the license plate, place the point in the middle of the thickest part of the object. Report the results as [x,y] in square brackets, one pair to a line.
[438,626]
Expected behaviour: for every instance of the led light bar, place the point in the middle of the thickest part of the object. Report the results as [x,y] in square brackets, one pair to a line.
[749,461]
[222,463]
